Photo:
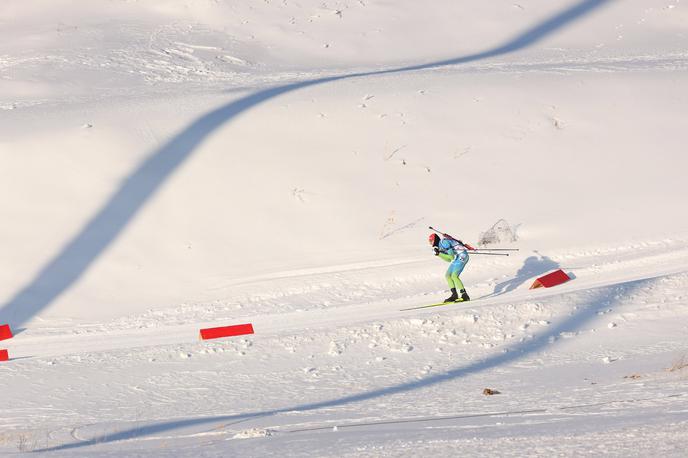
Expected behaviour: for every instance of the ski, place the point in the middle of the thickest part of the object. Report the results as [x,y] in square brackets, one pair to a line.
[439,304]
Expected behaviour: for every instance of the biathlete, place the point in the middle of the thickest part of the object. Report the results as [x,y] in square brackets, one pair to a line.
[456,253]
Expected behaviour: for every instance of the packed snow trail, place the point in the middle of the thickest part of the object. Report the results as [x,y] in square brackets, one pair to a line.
[275,324]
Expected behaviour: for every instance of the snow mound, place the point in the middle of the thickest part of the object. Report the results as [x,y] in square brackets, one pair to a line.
[253,433]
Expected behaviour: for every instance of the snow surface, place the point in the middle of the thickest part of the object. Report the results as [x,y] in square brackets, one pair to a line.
[169,165]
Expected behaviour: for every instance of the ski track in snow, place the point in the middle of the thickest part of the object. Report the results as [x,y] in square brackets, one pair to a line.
[320,298]
[182,71]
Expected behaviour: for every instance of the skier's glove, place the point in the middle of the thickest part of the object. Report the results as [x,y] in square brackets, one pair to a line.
[436,250]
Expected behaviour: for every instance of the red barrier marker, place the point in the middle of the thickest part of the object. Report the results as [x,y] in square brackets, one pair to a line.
[552,279]
[4,356]
[5,332]
[226,331]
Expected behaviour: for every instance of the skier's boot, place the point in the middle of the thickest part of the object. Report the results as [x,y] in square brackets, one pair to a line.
[464,296]
[454,296]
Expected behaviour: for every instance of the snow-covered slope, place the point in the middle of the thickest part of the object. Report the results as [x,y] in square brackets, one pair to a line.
[168,165]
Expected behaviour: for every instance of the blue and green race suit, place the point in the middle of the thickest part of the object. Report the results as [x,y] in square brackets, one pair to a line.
[455,253]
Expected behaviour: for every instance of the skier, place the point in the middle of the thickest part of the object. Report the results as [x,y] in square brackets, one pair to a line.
[456,253]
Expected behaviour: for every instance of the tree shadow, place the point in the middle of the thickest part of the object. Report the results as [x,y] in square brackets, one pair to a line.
[533,266]
[68,265]
[587,306]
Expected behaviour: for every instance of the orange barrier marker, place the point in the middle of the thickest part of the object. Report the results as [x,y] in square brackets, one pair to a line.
[552,279]
[226,331]
[5,332]
[4,356]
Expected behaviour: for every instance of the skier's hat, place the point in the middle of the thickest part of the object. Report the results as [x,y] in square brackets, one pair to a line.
[434,239]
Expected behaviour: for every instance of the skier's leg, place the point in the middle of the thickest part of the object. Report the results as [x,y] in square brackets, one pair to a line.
[457,283]
[448,277]
[458,266]
[450,281]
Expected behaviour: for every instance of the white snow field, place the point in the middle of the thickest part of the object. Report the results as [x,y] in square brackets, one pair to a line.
[171,165]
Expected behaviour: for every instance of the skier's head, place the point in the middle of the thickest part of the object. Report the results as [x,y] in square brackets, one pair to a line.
[434,239]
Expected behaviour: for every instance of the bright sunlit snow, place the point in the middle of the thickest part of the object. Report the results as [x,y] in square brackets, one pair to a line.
[172,165]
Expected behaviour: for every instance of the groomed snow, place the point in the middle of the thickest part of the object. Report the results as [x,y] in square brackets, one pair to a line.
[170,165]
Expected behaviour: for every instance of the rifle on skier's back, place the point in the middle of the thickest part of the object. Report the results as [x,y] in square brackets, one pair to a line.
[485,251]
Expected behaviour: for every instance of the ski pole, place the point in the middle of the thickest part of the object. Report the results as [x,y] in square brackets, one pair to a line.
[497,249]
[489,254]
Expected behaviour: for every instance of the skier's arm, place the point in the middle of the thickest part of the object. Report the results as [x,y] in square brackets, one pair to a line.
[445,251]
[446,257]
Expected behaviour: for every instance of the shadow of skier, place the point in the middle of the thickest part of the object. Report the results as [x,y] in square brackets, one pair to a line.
[533,266]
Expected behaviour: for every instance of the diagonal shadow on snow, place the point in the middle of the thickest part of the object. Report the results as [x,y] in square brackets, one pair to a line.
[78,254]
[588,304]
